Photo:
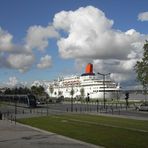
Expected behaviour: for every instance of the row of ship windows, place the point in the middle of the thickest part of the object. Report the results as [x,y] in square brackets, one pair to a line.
[85,88]
[94,89]
[103,91]
[55,93]
[91,88]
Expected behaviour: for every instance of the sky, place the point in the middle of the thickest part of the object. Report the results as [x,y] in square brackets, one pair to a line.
[45,39]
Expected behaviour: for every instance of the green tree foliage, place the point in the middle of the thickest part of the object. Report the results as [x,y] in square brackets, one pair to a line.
[8,91]
[82,92]
[72,92]
[59,93]
[51,89]
[41,90]
[20,90]
[40,93]
[34,90]
[38,90]
[141,68]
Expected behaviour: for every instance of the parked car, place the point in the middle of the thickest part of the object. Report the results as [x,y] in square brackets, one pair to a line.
[143,107]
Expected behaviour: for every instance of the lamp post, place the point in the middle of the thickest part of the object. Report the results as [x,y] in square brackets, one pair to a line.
[72,93]
[104,86]
[15,109]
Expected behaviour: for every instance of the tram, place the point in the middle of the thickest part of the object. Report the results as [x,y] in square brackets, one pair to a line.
[20,100]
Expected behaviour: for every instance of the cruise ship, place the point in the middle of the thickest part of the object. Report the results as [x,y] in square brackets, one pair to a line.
[87,85]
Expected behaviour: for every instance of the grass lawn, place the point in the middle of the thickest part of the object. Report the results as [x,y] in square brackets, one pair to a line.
[110,132]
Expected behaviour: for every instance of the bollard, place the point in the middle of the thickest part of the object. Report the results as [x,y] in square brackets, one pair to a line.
[4,116]
[97,108]
[121,105]
[1,116]
[112,111]
[80,109]
[11,118]
[15,119]
[119,111]
[126,106]
[106,109]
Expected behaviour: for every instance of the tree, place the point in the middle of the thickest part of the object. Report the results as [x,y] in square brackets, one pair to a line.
[59,93]
[82,93]
[41,90]
[27,90]
[51,89]
[72,93]
[8,91]
[40,93]
[38,90]
[141,69]
[34,90]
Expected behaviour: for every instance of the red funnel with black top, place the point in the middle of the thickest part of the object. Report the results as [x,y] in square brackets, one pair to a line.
[89,68]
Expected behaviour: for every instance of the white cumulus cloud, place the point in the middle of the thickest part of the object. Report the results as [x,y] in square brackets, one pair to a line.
[143,16]
[90,35]
[22,62]
[22,56]
[12,55]
[45,62]
[5,40]
[38,36]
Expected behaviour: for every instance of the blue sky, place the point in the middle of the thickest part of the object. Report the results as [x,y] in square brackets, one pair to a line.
[17,16]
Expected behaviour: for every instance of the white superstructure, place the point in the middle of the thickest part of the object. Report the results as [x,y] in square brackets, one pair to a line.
[87,85]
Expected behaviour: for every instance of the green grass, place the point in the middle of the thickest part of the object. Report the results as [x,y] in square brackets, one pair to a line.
[105,131]
[2,103]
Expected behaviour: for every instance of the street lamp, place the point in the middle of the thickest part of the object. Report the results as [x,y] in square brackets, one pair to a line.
[104,85]
[72,93]
[15,109]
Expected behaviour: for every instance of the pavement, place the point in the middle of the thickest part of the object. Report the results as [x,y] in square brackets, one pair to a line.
[23,136]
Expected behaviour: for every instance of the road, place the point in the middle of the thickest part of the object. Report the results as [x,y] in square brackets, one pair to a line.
[114,110]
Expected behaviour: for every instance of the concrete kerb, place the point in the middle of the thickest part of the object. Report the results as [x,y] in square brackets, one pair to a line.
[60,136]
